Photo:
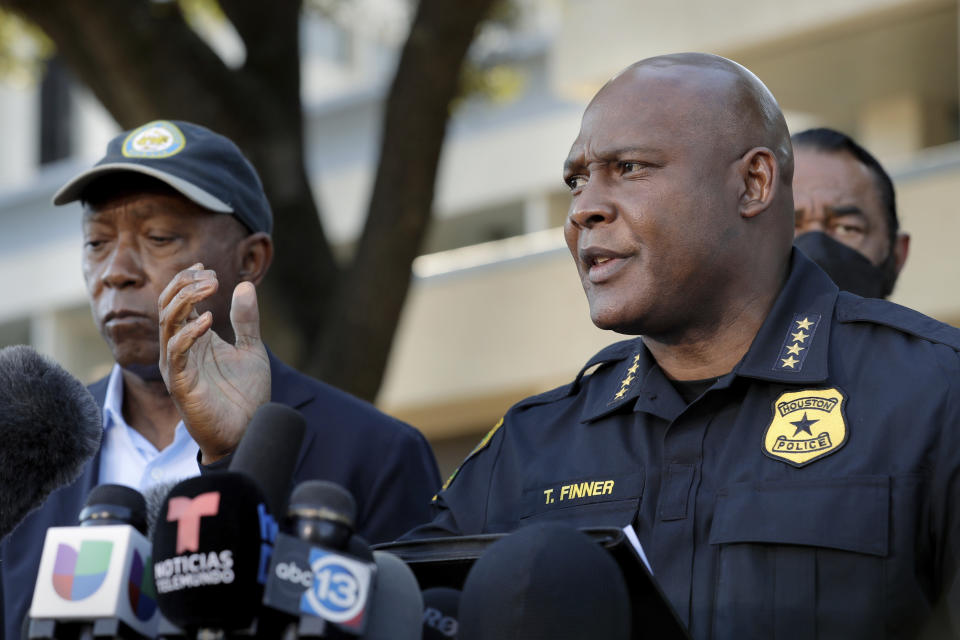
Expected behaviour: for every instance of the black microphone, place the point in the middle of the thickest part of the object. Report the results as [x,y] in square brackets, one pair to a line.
[441,616]
[396,606]
[96,579]
[155,497]
[211,550]
[51,427]
[545,582]
[323,574]
[269,450]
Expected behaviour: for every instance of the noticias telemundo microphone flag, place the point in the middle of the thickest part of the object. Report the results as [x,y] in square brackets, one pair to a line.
[91,573]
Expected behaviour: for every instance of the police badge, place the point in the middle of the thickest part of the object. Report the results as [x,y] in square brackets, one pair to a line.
[806,426]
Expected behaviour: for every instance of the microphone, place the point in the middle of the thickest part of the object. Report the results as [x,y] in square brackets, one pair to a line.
[211,549]
[269,450]
[545,582]
[51,427]
[396,606]
[324,574]
[441,613]
[155,497]
[96,579]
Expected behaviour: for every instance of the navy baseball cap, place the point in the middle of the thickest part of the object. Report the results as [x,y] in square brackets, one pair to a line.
[203,166]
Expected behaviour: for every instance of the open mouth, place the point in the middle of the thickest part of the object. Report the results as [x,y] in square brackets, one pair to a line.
[602,264]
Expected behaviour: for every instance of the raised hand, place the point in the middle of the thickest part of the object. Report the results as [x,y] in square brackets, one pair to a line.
[215,385]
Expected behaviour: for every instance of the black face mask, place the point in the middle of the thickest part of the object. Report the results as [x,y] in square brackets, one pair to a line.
[848,268]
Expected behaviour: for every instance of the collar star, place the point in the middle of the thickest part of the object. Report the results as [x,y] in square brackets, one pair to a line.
[799,336]
[789,361]
[804,324]
[795,349]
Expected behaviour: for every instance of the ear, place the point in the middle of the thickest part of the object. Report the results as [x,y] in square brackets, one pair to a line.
[901,247]
[255,253]
[760,174]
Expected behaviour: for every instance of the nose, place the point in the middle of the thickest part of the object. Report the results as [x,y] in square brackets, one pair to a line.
[123,267]
[591,206]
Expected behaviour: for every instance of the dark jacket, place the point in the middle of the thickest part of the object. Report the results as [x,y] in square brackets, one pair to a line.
[387,466]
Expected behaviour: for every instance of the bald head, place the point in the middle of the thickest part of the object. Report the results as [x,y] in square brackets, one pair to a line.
[727,100]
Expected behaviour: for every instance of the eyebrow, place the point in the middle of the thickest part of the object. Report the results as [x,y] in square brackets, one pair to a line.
[611,154]
[846,210]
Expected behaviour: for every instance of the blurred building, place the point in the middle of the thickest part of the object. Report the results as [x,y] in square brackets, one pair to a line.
[496,312]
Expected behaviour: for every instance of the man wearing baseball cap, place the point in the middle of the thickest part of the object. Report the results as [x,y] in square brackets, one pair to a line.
[174,213]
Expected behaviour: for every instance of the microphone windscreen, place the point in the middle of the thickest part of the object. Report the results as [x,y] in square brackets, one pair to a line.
[396,607]
[545,582]
[325,500]
[269,450]
[155,497]
[441,615]
[51,427]
[211,549]
[115,504]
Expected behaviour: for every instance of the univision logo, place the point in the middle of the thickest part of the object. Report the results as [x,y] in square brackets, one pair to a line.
[78,575]
[143,593]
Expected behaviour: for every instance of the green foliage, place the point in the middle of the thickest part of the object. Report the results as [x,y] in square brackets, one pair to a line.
[198,10]
[499,84]
[24,49]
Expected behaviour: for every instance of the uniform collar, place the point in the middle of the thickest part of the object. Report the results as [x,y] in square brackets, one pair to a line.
[792,344]
[791,347]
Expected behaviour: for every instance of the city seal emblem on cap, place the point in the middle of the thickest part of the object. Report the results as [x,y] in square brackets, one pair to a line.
[806,426]
[157,139]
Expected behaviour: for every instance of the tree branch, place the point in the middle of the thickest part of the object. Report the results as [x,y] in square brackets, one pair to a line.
[371,295]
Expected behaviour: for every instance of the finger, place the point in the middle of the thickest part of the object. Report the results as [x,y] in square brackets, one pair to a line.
[245,315]
[179,281]
[178,347]
[180,307]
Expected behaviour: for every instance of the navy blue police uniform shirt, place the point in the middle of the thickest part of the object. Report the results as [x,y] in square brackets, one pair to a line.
[813,492]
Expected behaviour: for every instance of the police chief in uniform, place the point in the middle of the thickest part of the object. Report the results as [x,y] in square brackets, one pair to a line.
[789,454]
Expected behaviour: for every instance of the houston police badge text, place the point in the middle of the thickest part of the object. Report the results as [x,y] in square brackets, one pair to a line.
[806,426]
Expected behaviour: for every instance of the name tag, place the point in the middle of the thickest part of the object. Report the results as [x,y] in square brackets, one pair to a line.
[574,492]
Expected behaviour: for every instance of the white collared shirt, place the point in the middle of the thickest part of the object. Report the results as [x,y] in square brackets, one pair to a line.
[130,459]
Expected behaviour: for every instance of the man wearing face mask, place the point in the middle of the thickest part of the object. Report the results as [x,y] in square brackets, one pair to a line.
[846,213]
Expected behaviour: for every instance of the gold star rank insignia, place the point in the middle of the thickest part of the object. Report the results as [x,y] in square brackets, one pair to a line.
[797,342]
[806,426]
[627,379]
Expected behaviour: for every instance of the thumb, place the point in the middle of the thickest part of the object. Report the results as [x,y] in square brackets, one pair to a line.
[245,315]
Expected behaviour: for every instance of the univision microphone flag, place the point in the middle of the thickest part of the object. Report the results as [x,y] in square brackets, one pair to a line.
[90,573]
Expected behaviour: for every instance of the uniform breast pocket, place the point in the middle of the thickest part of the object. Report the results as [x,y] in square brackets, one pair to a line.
[587,501]
[801,560]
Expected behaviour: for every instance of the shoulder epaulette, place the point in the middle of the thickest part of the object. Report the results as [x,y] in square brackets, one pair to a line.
[484,442]
[852,308]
